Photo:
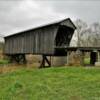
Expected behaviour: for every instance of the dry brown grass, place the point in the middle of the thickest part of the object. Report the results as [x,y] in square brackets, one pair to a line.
[14,67]
[8,68]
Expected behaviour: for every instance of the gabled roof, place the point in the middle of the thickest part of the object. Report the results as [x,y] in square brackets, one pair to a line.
[67,22]
[61,22]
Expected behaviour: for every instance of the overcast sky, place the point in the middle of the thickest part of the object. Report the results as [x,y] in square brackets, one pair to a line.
[18,15]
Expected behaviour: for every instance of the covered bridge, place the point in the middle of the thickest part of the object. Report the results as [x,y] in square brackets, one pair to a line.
[47,40]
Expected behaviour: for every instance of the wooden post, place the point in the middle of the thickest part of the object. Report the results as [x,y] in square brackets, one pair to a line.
[68,56]
[50,61]
[43,62]
[82,58]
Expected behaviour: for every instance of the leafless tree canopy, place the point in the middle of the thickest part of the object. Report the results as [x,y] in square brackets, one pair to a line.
[86,35]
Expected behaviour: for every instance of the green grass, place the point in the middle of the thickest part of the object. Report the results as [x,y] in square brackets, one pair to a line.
[87,61]
[51,84]
[2,61]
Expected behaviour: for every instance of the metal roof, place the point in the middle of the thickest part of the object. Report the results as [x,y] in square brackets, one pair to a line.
[53,23]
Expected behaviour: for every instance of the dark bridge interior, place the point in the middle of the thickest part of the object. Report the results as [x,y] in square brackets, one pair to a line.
[62,40]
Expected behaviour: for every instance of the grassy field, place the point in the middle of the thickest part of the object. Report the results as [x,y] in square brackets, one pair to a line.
[51,84]
[4,62]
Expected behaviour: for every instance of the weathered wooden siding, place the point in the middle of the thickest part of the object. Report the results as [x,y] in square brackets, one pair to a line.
[39,41]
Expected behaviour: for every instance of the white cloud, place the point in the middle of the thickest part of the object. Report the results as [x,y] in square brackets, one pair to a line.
[27,14]
[18,15]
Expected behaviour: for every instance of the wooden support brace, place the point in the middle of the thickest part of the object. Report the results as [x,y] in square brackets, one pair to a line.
[18,58]
[45,59]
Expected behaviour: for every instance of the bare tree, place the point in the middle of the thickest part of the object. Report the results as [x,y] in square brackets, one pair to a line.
[85,35]
[95,27]
[81,26]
